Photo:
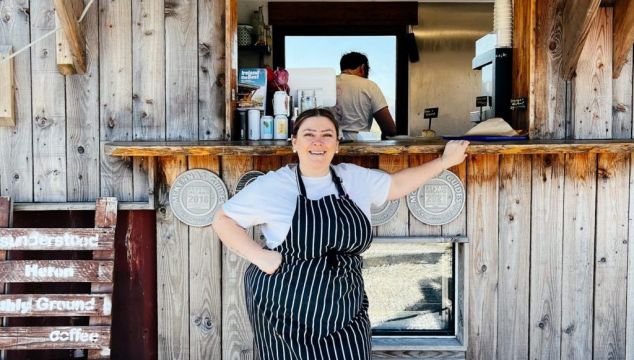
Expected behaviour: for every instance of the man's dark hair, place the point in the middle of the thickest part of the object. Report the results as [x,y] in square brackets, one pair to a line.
[353,60]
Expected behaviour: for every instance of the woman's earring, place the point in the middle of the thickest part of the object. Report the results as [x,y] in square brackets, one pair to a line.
[294,150]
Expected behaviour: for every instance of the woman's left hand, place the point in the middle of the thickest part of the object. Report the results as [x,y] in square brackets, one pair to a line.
[454,153]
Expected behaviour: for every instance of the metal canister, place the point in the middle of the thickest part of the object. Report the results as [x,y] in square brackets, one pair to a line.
[254,124]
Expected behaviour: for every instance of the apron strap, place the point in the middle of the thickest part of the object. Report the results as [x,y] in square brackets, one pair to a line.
[336,179]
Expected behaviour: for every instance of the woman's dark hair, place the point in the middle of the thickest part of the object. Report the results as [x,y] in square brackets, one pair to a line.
[353,60]
[315,113]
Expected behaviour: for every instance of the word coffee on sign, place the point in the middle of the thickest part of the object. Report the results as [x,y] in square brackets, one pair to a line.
[31,304]
[73,335]
[48,271]
[37,239]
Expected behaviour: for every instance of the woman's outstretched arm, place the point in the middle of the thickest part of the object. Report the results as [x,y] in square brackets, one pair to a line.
[410,179]
[236,238]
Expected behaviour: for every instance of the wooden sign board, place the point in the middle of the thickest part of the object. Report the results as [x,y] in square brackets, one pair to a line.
[56,239]
[56,271]
[97,306]
[18,305]
[55,337]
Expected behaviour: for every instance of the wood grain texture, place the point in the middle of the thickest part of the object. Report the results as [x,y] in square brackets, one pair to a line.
[82,118]
[68,13]
[514,264]
[398,225]
[16,151]
[523,59]
[416,227]
[56,305]
[592,104]
[548,105]
[622,101]
[181,58]
[205,281]
[578,263]
[222,148]
[211,69]
[172,252]
[482,225]
[237,336]
[7,95]
[623,35]
[231,62]
[22,338]
[115,89]
[49,125]
[148,83]
[63,54]
[546,256]
[629,341]
[579,16]
[610,297]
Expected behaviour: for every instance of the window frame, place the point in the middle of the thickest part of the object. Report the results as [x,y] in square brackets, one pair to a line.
[456,343]
[402,64]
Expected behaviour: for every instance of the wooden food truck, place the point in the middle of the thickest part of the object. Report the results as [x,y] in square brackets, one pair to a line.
[116,110]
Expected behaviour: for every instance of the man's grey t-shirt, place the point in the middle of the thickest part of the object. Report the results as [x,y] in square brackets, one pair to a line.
[357,100]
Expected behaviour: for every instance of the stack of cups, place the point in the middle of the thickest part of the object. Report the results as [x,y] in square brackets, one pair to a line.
[503,23]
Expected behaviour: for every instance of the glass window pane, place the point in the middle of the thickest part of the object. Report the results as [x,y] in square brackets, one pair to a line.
[326,51]
[410,288]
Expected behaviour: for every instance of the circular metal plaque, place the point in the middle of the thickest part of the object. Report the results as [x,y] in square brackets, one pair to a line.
[247,178]
[439,201]
[196,195]
[384,213]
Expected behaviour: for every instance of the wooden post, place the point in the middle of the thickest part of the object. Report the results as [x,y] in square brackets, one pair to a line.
[623,35]
[7,88]
[105,217]
[578,18]
[67,14]
[6,213]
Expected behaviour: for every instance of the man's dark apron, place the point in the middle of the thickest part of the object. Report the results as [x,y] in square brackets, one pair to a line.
[314,306]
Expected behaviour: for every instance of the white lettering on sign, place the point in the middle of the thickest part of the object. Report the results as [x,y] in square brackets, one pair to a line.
[44,304]
[25,305]
[72,335]
[22,306]
[36,239]
[48,271]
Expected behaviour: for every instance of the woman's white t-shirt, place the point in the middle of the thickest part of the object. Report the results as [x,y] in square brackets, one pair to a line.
[271,199]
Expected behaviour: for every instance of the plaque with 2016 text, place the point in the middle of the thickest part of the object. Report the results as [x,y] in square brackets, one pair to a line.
[196,195]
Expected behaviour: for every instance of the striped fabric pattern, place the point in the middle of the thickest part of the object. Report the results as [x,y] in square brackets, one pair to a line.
[314,306]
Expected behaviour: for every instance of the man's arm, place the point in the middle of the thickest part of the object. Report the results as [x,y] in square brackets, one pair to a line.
[386,123]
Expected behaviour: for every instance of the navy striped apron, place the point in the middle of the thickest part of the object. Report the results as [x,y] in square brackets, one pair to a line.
[314,306]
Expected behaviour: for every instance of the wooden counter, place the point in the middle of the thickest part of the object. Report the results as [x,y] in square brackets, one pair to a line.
[389,147]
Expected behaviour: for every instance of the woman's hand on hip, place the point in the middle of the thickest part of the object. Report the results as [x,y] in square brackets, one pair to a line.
[454,153]
[270,261]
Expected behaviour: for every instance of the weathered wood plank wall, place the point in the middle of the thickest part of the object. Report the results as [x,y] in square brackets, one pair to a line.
[155,72]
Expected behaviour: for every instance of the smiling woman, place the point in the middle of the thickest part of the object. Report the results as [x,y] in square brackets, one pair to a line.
[304,291]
